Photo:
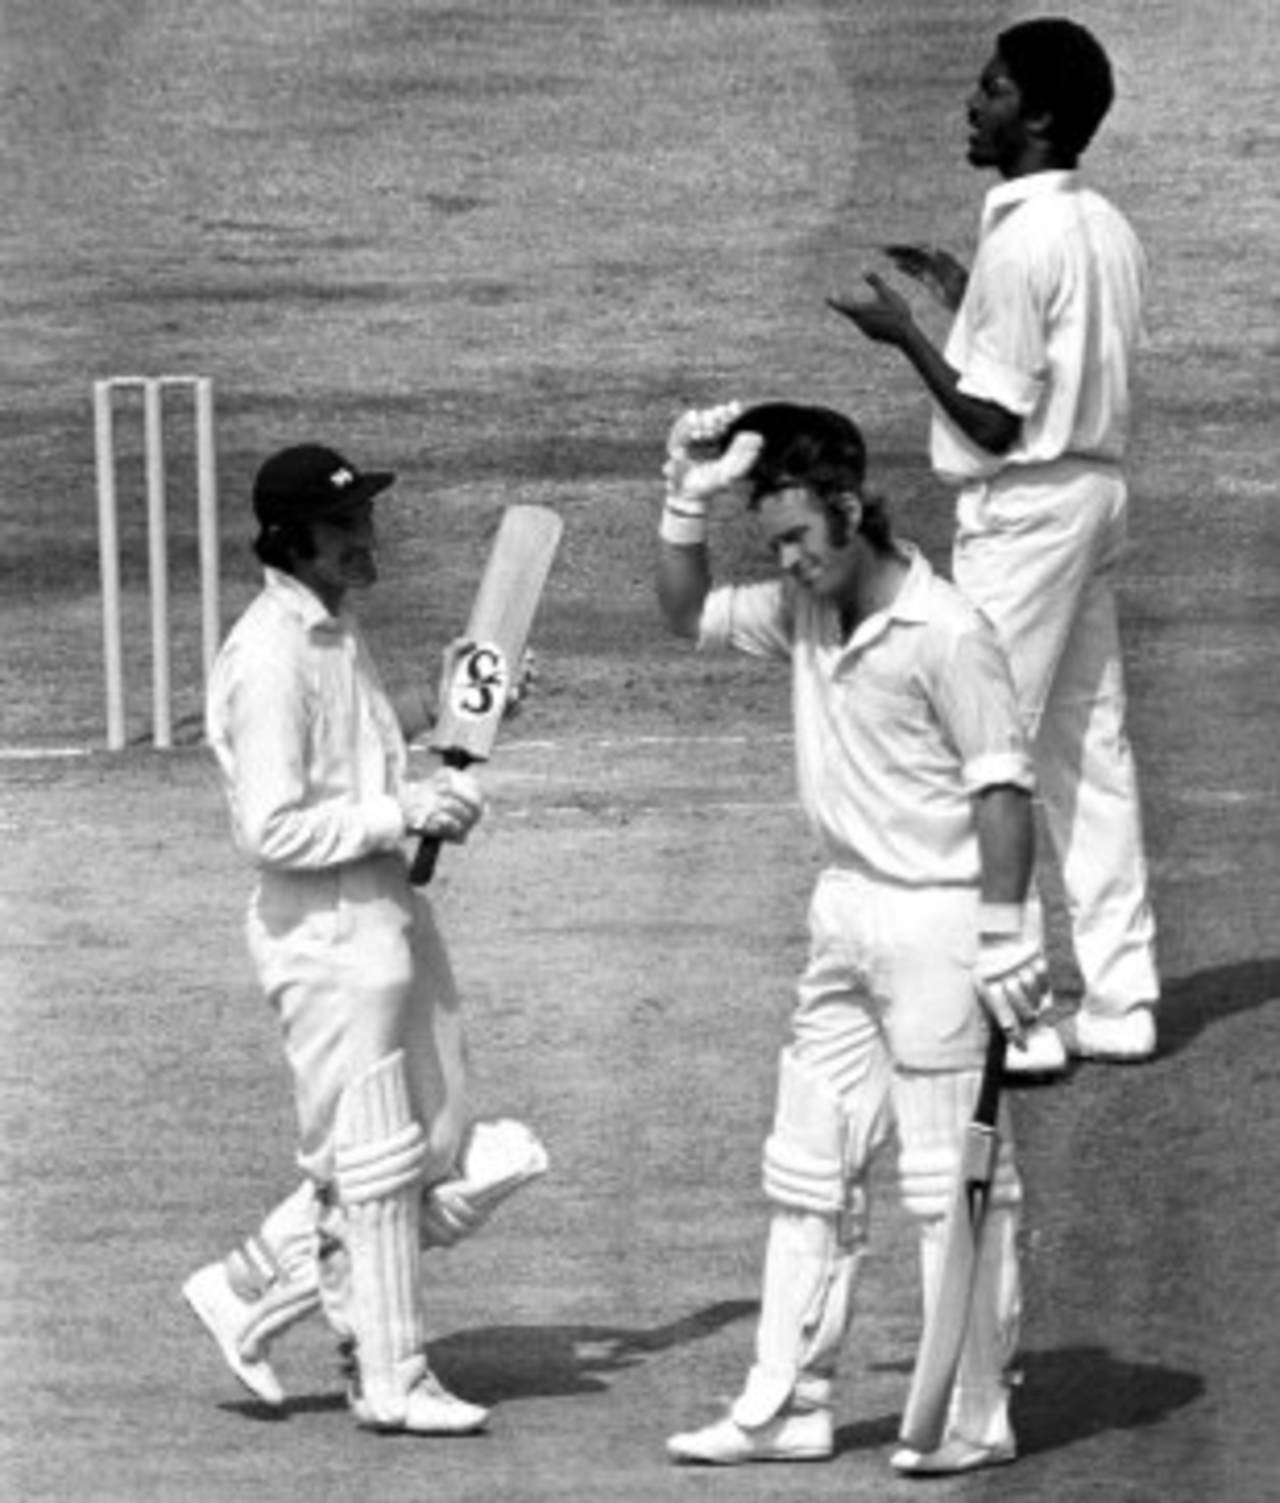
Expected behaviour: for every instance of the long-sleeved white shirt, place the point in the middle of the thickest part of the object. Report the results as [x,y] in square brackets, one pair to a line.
[1048,327]
[307,742]
[897,728]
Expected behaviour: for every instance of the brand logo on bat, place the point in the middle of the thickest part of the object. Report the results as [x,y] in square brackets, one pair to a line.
[480,682]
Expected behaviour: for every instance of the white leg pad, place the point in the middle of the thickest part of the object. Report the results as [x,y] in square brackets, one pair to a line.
[497,1158]
[274,1272]
[379,1154]
[812,1172]
[805,1310]
[805,1156]
[933,1111]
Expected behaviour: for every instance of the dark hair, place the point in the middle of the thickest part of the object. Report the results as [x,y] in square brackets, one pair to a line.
[821,451]
[280,547]
[1060,68]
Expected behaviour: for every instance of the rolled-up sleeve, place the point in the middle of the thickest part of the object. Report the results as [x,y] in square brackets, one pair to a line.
[751,618]
[976,703]
[1005,359]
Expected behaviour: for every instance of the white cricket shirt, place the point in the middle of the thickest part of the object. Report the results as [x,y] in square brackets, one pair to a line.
[897,728]
[1048,327]
[308,744]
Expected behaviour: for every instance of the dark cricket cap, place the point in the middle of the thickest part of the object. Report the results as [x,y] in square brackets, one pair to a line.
[310,480]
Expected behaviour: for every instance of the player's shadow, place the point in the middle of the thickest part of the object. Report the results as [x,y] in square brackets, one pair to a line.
[1067,1395]
[497,1364]
[1072,1393]
[1191,1003]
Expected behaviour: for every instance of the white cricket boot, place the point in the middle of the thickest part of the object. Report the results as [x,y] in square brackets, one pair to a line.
[954,1455]
[1126,1038]
[226,1316]
[380,1151]
[794,1435]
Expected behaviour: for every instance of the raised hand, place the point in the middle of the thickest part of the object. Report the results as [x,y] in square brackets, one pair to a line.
[885,317]
[937,270]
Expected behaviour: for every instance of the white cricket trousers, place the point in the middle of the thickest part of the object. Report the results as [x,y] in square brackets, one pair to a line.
[353,964]
[1036,549]
[887,1019]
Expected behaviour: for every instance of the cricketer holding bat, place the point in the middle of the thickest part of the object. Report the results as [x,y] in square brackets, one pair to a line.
[1032,395]
[313,757]
[915,774]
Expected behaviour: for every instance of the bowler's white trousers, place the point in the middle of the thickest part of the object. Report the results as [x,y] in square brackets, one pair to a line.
[1036,549]
[353,965]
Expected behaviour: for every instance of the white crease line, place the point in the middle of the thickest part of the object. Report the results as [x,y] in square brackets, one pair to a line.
[609,742]
[512,748]
[597,811]
[42,753]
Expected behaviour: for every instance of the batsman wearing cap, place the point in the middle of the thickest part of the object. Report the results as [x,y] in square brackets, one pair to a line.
[313,757]
[916,777]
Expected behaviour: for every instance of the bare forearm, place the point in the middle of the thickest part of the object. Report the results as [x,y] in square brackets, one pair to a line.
[989,425]
[1006,844]
[684,578]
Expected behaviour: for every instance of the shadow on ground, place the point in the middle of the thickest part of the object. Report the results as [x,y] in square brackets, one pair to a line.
[1073,1393]
[1191,1003]
[1070,1395]
[496,1364]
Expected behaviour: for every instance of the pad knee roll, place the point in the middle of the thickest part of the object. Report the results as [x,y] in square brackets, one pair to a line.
[933,1113]
[380,1149]
[805,1156]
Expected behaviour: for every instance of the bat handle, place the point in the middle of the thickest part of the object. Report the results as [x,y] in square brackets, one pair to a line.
[424,862]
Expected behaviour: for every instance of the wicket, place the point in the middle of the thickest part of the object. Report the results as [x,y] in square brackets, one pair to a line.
[153,389]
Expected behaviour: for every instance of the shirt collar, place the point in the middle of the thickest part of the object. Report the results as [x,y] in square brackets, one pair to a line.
[911,601]
[301,602]
[910,605]
[1006,196]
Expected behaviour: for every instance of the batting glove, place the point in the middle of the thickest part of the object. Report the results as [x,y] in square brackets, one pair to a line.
[446,806]
[1012,978]
[697,470]
[497,1159]
[521,686]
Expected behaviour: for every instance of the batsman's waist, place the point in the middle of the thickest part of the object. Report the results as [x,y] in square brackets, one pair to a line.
[370,876]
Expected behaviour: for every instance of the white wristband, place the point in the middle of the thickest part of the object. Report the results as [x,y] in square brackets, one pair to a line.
[1000,918]
[682,527]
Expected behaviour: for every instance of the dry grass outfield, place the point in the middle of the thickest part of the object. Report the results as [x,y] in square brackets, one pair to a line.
[498,247]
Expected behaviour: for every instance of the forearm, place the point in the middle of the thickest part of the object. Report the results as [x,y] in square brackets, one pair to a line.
[987,424]
[684,580]
[1006,845]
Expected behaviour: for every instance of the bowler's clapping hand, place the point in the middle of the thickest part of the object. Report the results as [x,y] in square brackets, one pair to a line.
[937,271]
[1012,978]
[445,806]
[885,317]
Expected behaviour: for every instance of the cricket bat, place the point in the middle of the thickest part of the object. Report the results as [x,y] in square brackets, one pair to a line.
[475,699]
[946,1322]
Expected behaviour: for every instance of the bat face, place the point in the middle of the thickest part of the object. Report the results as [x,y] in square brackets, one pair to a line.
[476,700]
[482,678]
